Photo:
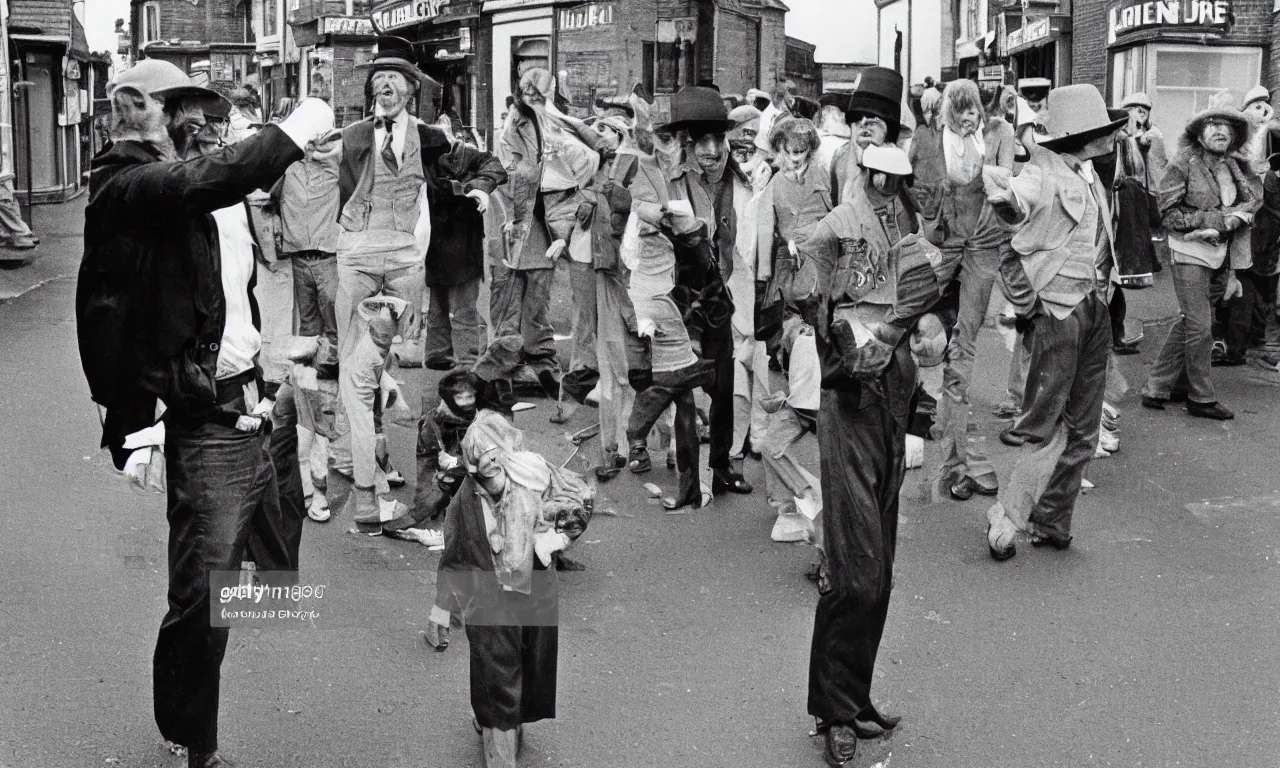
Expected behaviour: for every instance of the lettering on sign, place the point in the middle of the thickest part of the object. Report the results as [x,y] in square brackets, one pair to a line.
[407,14]
[594,15]
[1187,14]
[346,25]
[1032,31]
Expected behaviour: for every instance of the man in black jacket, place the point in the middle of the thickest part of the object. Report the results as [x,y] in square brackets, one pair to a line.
[162,321]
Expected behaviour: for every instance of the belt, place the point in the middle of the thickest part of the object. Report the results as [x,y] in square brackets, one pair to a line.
[311,255]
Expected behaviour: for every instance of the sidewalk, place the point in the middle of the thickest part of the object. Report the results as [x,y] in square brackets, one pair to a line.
[60,227]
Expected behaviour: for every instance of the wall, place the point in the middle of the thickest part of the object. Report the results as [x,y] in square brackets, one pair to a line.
[1089,54]
[930,52]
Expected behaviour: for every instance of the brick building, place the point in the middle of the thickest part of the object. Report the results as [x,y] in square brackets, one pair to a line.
[1038,40]
[212,40]
[801,69]
[1179,52]
[333,46]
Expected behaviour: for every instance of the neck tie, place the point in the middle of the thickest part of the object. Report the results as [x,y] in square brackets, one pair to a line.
[388,154]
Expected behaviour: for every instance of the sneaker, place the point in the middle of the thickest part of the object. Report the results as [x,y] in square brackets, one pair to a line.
[1101,453]
[318,509]
[1109,441]
[792,528]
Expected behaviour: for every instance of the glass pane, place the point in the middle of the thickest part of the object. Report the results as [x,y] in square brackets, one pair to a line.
[1187,80]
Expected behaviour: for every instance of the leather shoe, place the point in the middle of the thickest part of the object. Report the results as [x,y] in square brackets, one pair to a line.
[962,489]
[1179,396]
[842,743]
[1044,541]
[208,760]
[1154,403]
[875,729]
[727,481]
[1210,411]
[1009,437]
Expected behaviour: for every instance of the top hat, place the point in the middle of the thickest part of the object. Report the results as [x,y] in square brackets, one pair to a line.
[697,107]
[397,54]
[878,94]
[806,107]
[1077,116]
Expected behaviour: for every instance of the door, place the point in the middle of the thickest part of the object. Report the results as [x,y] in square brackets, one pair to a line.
[41,69]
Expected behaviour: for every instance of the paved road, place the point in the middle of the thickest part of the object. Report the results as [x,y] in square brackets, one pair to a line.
[1152,641]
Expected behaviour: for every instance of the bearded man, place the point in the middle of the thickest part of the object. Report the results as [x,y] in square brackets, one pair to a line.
[165,315]
[396,187]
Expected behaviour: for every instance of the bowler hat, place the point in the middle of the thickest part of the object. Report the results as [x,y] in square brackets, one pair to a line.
[878,94]
[1077,116]
[697,108]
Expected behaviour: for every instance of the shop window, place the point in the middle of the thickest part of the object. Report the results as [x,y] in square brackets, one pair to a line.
[648,58]
[675,54]
[150,22]
[1181,79]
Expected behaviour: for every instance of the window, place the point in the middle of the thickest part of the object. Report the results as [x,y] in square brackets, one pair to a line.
[150,22]
[1180,79]
[647,56]
[269,27]
[675,53]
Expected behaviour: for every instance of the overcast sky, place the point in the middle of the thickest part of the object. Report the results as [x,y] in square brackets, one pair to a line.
[838,27]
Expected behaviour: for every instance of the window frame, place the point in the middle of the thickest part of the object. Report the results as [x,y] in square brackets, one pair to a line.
[150,32]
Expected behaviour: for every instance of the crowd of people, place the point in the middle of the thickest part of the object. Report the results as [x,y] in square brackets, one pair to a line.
[850,244]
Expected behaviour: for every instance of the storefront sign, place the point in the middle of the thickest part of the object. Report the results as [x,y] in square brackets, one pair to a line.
[1033,31]
[1186,15]
[991,74]
[345,25]
[388,17]
[594,15]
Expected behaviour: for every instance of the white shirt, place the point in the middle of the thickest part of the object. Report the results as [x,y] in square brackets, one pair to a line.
[804,374]
[954,147]
[398,131]
[241,341]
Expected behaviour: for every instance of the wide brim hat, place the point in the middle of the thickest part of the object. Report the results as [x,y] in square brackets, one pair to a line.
[1138,99]
[699,109]
[878,94]
[1220,109]
[1077,116]
[163,80]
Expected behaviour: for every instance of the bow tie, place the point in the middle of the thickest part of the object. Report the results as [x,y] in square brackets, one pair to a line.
[384,123]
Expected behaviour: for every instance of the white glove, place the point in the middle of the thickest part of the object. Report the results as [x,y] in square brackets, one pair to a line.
[482,199]
[556,249]
[547,543]
[145,469]
[311,119]
[647,328]
[305,377]
[264,407]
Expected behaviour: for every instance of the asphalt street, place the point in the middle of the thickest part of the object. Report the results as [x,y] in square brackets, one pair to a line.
[1152,641]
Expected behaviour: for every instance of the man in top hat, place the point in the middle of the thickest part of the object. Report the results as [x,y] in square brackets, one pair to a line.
[1058,271]
[704,175]
[398,196]
[874,115]
[165,313]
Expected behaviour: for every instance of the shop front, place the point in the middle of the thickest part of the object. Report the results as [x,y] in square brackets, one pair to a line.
[330,49]
[1037,46]
[1183,53]
[444,35]
[521,36]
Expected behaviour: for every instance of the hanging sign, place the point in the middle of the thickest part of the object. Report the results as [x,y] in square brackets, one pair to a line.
[396,15]
[1182,15]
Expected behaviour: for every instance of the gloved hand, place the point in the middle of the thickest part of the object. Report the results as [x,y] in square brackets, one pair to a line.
[145,466]
[640,379]
[1234,288]
[556,249]
[482,199]
[311,120]
[864,362]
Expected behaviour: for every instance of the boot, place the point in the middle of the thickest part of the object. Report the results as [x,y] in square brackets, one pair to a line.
[689,495]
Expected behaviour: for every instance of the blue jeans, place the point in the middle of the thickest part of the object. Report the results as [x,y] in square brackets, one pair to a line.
[221,488]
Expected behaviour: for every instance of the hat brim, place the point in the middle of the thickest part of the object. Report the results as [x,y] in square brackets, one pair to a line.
[1076,140]
[184,91]
[398,65]
[696,126]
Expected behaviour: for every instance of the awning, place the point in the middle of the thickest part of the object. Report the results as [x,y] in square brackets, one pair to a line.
[1035,32]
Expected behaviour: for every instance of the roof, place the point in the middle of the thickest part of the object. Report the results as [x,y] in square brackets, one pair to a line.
[79,43]
[51,17]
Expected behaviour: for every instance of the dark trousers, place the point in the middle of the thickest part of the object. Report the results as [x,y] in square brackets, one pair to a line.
[862,447]
[1119,309]
[453,324]
[1247,313]
[221,482]
[1065,386]
[648,408]
[315,290]
[276,536]
[718,346]
[519,311]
